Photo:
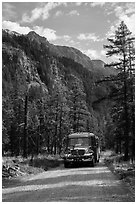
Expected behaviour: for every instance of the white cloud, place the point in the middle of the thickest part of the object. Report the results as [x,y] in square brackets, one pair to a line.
[118,11]
[129,21]
[66,37]
[43,12]
[112,29]
[124,12]
[50,34]
[13,26]
[78,3]
[93,4]
[49,6]
[58,13]
[127,15]
[103,53]
[93,54]
[88,36]
[35,14]
[73,12]
[130,8]
[126,9]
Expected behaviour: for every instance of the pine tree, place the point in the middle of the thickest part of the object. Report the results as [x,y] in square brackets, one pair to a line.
[79,113]
[120,45]
[33,93]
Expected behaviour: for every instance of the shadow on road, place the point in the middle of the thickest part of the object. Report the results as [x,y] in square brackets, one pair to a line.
[73,184]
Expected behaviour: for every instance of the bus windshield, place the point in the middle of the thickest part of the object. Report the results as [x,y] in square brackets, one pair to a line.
[78,142]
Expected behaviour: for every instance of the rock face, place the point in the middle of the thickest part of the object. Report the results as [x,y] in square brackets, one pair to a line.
[32,56]
[58,70]
[74,54]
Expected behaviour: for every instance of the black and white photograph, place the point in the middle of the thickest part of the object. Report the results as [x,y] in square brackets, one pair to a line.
[68,101]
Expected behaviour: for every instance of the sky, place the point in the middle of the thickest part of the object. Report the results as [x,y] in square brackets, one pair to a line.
[82,25]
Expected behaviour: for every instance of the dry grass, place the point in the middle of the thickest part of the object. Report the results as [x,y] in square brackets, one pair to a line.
[18,166]
[124,170]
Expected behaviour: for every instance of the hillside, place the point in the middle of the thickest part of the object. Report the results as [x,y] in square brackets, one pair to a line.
[96,66]
[59,82]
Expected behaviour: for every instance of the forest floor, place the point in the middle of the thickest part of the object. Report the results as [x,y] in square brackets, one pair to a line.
[15,167]
[124,170]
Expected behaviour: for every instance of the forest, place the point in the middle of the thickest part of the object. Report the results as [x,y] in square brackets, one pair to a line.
[46,96]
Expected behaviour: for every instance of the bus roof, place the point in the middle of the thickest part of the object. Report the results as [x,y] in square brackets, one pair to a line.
[81,134]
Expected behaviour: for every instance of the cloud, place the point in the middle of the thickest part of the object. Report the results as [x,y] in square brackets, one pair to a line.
[127,14]
[112,29]
[35,14]
[126,9]
[58,13]
[93,54]
[118,10]
[41,12]
[78,3]
[123,12]
[88,36]
[130,22]
[50,6]
[103,53]
[93,4]
[14,26]
[73,13]
[130,8]
[66,37]
[50,34]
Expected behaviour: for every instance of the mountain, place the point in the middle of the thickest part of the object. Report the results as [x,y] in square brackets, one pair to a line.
[11,32]
[60,83]
[33,46]
[74,54]
[35,37]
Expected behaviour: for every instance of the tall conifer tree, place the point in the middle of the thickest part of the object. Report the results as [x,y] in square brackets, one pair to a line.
[121,45]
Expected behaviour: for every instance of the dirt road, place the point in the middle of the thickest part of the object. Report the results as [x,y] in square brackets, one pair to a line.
[84,184]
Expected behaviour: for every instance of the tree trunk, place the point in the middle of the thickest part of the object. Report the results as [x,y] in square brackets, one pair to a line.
[25,145]
[60,133]
[126,129]
[37,147]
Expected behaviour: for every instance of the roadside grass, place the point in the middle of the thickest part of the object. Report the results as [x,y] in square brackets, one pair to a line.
[45,162]
[124,170]
[18,166]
